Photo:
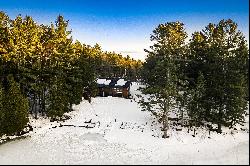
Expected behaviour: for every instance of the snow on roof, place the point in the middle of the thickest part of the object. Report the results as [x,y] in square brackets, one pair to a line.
[103,81]
[100,81]
[121,82]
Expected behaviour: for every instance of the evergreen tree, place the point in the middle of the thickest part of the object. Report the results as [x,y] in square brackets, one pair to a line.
[57,100]
[43,57]
[15,109]
[195,100]
[220,53]
[160,69]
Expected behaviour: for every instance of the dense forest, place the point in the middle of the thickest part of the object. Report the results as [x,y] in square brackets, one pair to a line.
[43,71]
[205,79]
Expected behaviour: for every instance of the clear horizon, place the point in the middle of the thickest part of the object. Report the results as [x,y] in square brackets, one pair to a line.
[125,26]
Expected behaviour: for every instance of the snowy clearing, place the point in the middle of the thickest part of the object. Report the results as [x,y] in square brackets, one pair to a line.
[113,130]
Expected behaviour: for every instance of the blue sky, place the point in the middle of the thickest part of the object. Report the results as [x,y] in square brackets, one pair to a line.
[125,26]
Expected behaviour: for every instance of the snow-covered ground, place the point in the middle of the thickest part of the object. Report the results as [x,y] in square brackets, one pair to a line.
[119,133]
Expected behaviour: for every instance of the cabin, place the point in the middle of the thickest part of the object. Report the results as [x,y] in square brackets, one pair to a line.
[115,87]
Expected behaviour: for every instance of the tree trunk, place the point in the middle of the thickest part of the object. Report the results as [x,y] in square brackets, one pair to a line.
[165,121]
[43,101]
[182,117]
[35,106]
[32,106]
[219,128]
[40,102]
[219,122]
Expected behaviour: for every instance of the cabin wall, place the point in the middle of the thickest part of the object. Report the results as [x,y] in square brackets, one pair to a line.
[125,92]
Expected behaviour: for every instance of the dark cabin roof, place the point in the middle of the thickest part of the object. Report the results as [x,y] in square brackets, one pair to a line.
[127,84]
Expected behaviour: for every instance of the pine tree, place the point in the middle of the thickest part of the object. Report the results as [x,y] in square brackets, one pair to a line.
[15,109]
[160,69]
[36,54]
[57,100]
[220,53]
[196,98]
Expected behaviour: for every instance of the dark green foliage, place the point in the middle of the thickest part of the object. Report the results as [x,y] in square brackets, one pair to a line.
[14,110]
[161,69]
[208,77]
[195,100]
[35,54]
[53,71]
[57,99]
[220,53]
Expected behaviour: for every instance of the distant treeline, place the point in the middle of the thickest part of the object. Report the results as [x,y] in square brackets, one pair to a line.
[43,71]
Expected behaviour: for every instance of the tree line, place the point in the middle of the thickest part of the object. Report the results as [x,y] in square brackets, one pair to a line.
[112,65]
[44,72]
[205,79]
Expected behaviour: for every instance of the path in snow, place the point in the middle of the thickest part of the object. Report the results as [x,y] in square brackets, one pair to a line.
[121,134]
